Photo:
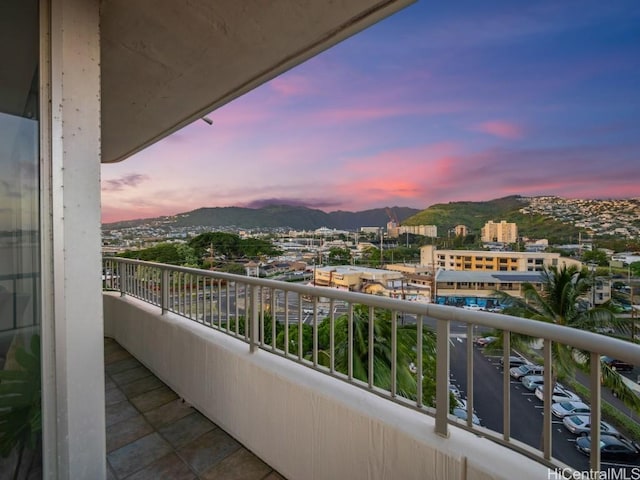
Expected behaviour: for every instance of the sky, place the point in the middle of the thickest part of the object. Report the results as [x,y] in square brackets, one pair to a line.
[443,101]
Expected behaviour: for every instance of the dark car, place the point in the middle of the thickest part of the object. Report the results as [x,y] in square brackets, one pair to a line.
[611,448]
[617,364]
[514,361]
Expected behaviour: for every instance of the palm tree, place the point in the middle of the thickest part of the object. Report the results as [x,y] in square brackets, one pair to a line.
[560,302]
[382,352]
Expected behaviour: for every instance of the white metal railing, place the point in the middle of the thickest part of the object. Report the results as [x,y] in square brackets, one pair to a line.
[253,310]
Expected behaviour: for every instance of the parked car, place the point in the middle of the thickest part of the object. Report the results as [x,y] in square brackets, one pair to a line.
[524,370]
[455,390]
[472,306]
[581,425]
[560,394]
[514,361]
[617,364]
[484,341]
[611,447]
[461,413]
[562,409]
[531,382]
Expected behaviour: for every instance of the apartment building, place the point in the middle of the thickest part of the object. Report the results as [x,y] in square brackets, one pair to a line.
[357,279]
[459,288]
[481,260]
[461,230]
[503,232]
[394,231]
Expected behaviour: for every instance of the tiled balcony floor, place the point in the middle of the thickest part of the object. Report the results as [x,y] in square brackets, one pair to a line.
[153,434]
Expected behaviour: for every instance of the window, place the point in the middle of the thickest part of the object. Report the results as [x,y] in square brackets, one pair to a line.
[19,198]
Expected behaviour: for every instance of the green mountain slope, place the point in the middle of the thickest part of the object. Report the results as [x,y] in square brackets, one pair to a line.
[475,214]
[273,216]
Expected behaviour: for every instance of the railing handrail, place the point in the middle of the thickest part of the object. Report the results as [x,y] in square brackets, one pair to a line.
[581,339]
[178,297]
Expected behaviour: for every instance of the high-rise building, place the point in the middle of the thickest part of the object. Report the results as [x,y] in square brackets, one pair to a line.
[503,232]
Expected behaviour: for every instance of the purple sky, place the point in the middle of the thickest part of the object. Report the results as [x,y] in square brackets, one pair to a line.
[463,101]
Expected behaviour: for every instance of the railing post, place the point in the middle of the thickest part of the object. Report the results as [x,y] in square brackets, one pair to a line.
[442,378]
[164,291]
[506,386]
[124,278]
[548,396]
[596,379]
[469,379]
[255,319]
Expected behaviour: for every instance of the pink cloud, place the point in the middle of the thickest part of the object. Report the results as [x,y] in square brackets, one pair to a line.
[291,85]
[500,129]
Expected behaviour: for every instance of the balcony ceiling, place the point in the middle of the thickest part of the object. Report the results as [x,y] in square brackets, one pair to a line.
[166,63]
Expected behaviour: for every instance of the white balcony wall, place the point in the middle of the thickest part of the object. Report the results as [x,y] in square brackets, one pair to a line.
[303,423]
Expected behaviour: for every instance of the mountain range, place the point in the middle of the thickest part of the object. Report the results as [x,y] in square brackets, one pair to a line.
[445,216]
[275,216]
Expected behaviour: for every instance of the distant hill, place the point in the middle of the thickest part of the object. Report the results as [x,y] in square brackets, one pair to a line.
[274,216]
[475,214]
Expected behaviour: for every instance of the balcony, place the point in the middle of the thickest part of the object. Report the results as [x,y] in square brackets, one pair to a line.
[206,335]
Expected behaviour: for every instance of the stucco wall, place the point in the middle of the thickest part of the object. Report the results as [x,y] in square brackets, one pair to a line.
[303,423]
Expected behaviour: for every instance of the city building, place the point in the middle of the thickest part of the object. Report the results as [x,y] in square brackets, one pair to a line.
[503,232]
[394,231]
[459,288]
[358,279]
[461,230]
[483,260]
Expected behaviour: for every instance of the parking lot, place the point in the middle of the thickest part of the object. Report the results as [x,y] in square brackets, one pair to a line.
[526,409]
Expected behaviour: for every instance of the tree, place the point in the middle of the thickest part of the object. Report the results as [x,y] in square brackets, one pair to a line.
[559,303]
[256,247]
[236,268]
[597,256]
[161,253]
[406,352]
[222,243]
[21,403]
[307,339]
[339,256]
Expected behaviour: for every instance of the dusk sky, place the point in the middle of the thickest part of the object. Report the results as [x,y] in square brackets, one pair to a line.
[444,101]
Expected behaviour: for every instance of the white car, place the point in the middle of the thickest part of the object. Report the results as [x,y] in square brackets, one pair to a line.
[531,382]
[472,306]
[562,409]
[560,394]
[581,425]
[524,370]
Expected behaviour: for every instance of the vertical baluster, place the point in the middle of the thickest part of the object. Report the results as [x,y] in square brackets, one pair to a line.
[442,377]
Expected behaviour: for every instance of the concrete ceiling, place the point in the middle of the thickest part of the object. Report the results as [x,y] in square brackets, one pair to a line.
[166,63]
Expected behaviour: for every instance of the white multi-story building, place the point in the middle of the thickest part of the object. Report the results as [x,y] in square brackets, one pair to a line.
[483,260]
[394,231]
[503,232]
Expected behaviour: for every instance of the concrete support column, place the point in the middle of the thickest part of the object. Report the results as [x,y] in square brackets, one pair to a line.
[74,186]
